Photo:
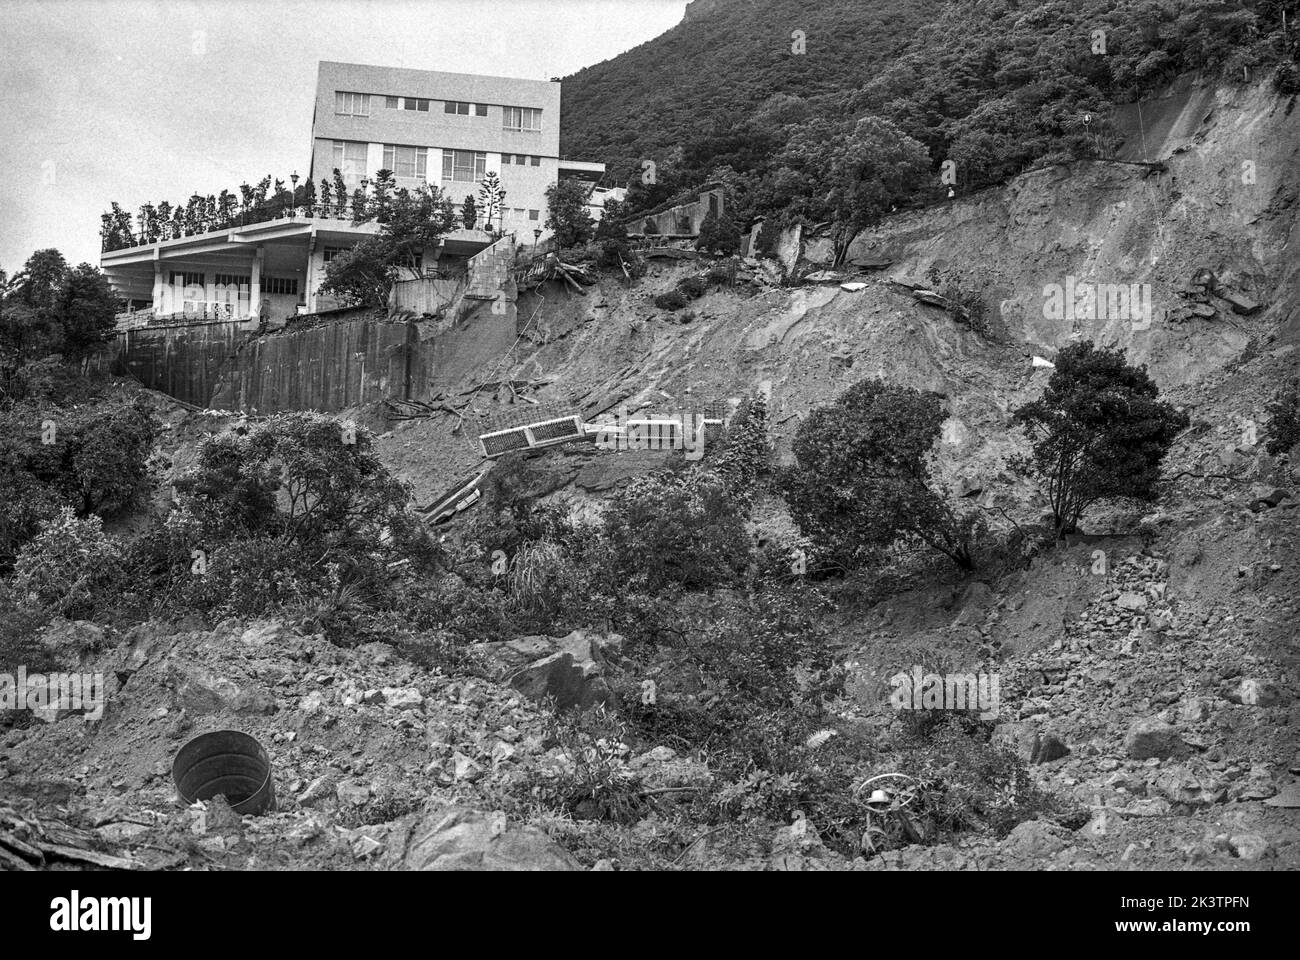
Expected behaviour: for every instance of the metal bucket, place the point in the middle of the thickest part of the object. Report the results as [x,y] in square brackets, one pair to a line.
[226,762]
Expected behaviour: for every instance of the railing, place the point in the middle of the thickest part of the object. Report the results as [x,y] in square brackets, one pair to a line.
[345,211]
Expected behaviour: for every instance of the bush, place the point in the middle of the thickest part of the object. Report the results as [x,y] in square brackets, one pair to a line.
[97,462]
[672,300]
[70,567]
[616,254]
[678,530]
[693,287]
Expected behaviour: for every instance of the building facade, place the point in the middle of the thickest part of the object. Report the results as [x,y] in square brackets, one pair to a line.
[447,130]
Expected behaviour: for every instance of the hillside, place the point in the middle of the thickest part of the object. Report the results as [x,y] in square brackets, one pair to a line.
[722,61]
[1153,698]
[992,85]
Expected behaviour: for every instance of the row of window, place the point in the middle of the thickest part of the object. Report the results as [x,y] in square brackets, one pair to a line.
[348,104]
[194,278]
[413,162]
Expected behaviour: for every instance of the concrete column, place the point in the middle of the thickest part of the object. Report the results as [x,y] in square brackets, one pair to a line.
[159,285]
[255,283]
[309,274]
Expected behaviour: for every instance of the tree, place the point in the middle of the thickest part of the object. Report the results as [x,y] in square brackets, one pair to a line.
[567,213]
[296,477]
[1099,432]
[469,212]
[85,308]
[610,226]
[874,168]
[38,283]
[718,234]
[414,222]
[861,477]
[491,199]
[340,193]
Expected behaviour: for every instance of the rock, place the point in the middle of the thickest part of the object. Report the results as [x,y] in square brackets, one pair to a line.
[198,692]
[1153,737]
[459,839]
[1194,787]
[319,789]
[312,703]
[1036,839]
[403,698]
[661,769]
[573,675]
[1131,601]
[353,793]
[1023,739]
[465,768]
[1249,846]
[1289,797]
[1255,693]
[1194,710]
[69,641]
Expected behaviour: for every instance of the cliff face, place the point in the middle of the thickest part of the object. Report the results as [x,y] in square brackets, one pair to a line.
[1226,200]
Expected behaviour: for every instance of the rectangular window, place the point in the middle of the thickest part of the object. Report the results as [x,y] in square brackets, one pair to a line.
[505,159]
[409,162]
[523,118]
[350,158]
[456,106]
[536,161]
[520,159]
[332,252]
[463,165]
[352,104]
[480,109]
[281,285]
[187,278]
[534,214]
[231,279]
[391,102]
[416,103]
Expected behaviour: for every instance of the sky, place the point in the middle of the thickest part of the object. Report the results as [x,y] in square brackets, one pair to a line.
[148,100]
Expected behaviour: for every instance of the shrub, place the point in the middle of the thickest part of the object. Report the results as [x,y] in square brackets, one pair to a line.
[1098,432]
[98,461]
[676,530]
[592,781]
[69,566]
[617,255]
[693,287]
[672,300]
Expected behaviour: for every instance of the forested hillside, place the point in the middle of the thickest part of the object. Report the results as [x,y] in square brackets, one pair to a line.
[993,85]
[720,63]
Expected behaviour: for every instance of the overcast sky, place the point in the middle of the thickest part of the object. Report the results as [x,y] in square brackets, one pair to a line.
[148,100]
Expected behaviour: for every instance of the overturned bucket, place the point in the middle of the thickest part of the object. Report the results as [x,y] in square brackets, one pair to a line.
[226,762]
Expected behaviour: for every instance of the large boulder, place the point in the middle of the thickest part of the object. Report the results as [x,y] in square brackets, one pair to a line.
[1153,737]
[573,673]
[459,839]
